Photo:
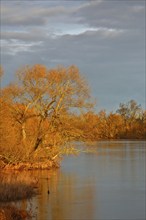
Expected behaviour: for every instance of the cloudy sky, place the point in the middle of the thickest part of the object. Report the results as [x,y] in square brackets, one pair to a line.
[104,38]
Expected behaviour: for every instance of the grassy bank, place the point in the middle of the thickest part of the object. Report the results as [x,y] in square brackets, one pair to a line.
[15,187]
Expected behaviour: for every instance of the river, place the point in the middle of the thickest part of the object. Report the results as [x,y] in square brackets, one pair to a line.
[107,185]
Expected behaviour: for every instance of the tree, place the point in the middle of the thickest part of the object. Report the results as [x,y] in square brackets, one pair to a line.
[44,98]
[1,71]
[129,112]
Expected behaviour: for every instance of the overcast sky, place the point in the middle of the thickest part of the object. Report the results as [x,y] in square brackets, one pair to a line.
[105,39]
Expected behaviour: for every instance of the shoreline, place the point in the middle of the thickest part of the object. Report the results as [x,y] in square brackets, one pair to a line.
[15,188]
[46,165]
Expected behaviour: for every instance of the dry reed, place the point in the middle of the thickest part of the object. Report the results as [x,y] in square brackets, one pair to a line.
[16,186]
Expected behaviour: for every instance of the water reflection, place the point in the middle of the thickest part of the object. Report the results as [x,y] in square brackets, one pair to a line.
[106,185]
[67,195]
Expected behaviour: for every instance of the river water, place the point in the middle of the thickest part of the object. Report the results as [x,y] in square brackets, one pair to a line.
[107,185]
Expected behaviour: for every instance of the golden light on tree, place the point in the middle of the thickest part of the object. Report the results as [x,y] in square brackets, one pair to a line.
[45,110]
[42,99]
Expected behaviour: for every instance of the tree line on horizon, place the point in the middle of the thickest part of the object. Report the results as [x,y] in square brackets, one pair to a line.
[44,111]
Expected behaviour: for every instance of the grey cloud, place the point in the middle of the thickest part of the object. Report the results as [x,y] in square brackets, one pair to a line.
[88,46]
[112,56]
[13,47]
[122,14]
[23,20]
[29,14]
[119,14]
[30,35]
[25,40]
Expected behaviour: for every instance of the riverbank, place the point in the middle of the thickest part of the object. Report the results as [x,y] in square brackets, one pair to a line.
[15,186]
[41,165]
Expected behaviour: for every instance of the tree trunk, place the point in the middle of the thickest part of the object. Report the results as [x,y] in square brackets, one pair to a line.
[23,132]
[37,143]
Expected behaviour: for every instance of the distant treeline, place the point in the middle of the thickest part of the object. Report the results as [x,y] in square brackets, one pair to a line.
[128,122]
[45,110]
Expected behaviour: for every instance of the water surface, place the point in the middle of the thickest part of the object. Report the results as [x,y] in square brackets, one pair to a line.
[103,186]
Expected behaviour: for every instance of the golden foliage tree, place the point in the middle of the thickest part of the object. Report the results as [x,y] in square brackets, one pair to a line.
[41,101]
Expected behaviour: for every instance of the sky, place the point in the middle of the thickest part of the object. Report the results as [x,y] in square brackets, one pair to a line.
[105,39]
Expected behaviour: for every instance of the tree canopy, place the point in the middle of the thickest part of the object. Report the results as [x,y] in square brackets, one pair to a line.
[43,99]
[45,111]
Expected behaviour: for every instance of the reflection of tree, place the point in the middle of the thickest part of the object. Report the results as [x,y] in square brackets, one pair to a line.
[37,205]
[73,197]
[67,199]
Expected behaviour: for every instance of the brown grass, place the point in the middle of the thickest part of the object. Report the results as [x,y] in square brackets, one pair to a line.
[16,186]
